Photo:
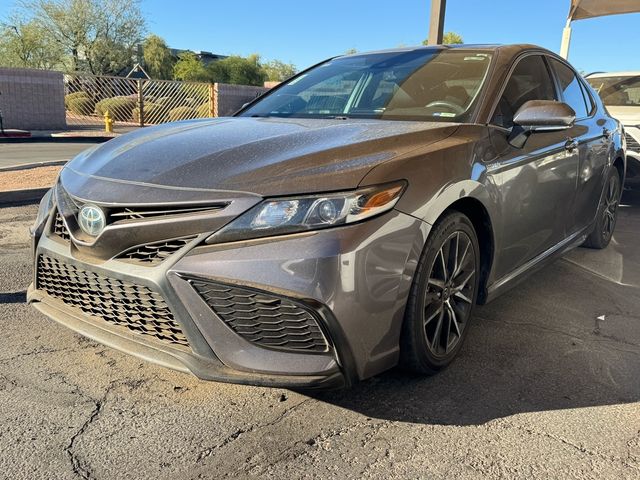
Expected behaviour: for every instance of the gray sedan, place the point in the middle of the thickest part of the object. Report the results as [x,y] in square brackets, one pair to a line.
[344,223]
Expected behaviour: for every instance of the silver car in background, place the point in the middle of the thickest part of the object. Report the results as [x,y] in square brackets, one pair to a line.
[620,93]
[346,222]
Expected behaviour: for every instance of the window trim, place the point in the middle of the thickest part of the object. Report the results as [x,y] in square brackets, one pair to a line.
[514,65]
[590,113]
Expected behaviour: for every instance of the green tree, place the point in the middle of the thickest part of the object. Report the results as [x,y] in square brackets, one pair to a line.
[23,44]
[190,68]
[238,70]
[449,38]
[278,71]
[158,61]
[99,36]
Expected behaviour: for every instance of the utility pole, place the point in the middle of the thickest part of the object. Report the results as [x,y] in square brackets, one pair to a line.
[436,21]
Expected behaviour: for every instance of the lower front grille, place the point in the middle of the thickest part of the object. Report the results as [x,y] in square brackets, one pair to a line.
[632,143]
[59,227]
[117,302]
[262,318]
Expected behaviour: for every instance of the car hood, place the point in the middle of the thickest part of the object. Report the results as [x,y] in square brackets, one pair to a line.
[262,156]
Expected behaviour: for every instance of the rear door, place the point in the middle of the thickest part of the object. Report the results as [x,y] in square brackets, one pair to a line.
[536,183]
[592,141]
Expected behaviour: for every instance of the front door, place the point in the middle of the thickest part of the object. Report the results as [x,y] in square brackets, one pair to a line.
[536,183]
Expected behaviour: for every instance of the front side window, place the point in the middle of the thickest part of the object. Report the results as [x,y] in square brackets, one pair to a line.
[530,80]
[422,84]
[621,91]
[571,88]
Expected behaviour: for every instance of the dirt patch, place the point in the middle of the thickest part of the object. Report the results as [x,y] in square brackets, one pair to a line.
[31,178]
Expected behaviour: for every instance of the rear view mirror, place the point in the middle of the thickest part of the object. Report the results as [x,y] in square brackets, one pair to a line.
[540,116]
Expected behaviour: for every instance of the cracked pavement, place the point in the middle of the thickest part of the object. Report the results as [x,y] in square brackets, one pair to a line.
[542,389]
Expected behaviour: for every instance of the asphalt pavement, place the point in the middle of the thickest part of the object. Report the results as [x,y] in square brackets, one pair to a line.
[12,154]
[545,387]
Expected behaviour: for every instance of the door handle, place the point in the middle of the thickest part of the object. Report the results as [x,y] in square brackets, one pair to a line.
[571,144]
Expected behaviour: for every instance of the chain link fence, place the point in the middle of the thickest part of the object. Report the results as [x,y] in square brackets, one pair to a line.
[139,102]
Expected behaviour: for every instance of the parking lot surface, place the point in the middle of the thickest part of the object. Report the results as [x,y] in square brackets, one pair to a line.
[22,153]
[543,389]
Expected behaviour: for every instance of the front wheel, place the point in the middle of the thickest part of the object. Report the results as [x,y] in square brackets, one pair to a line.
[442,296]
[607,214]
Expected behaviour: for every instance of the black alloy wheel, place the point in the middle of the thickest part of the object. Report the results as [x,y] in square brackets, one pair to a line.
[443,295]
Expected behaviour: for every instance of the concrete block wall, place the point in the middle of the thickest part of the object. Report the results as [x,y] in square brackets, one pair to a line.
[32,99]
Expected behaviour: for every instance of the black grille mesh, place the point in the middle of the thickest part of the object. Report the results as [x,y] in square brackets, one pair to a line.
[59,228]
[263,319]
[114,301]
[632,143]
[154,253]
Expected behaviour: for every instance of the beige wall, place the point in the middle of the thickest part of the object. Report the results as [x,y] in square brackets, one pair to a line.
[32,99]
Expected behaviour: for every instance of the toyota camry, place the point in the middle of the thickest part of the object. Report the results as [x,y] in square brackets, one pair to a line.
[344,223]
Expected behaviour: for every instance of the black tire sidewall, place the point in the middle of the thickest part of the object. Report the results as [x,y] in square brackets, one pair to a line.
[414,328]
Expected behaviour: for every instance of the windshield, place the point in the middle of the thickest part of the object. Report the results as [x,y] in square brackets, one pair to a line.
[408,85]
[618,91]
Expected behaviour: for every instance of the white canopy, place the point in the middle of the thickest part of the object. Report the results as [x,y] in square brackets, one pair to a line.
[581,9]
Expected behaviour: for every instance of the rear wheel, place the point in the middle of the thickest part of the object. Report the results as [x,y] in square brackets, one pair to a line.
[607,214]
[442,296]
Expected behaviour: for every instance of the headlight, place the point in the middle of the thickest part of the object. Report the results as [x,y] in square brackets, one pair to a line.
[44,210]
[312,212]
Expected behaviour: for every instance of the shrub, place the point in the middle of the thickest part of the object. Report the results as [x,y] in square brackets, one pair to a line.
[119,108]
[153,113]
[80,105]
[73,96]
[203,111]
[182,113]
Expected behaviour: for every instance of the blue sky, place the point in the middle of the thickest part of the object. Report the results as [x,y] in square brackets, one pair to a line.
[305,32]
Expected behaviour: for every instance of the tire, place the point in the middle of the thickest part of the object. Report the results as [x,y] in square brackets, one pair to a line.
[607,215]
[442,297]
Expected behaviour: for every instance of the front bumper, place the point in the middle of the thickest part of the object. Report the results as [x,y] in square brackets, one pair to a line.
[354,279]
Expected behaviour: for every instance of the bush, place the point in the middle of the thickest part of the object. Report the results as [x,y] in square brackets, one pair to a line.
[203,111]
[182,113]
[153,113]
[119,108]
[80,105]
[74,96]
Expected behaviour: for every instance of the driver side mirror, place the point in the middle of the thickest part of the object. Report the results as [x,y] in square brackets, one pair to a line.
[540,116]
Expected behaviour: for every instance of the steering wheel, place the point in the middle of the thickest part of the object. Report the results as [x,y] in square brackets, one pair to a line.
[457,109]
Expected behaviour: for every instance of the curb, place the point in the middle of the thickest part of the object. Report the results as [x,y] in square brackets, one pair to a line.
[29,166]
[13,198]
[50,139]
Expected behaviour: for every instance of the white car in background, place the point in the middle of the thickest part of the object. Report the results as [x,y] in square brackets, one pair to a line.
[620,92]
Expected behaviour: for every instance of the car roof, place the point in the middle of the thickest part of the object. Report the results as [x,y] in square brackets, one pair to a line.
[613,74]
[515,48]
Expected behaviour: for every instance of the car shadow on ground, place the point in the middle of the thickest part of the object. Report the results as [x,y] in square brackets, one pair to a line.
[539,347]
[13,297]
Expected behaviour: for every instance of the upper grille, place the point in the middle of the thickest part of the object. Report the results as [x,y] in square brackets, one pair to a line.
[632,143]
[59,228]
[263,319]
[115,301]
[154,253]
[140,213]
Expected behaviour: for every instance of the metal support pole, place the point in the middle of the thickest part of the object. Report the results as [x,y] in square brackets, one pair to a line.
[140,103]
[566,40]
[436,22]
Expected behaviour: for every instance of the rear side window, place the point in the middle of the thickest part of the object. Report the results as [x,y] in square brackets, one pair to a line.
[587,96]
[530,80]
[571,89]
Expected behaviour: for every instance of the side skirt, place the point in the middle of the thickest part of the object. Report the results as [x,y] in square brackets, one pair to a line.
[512,279]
